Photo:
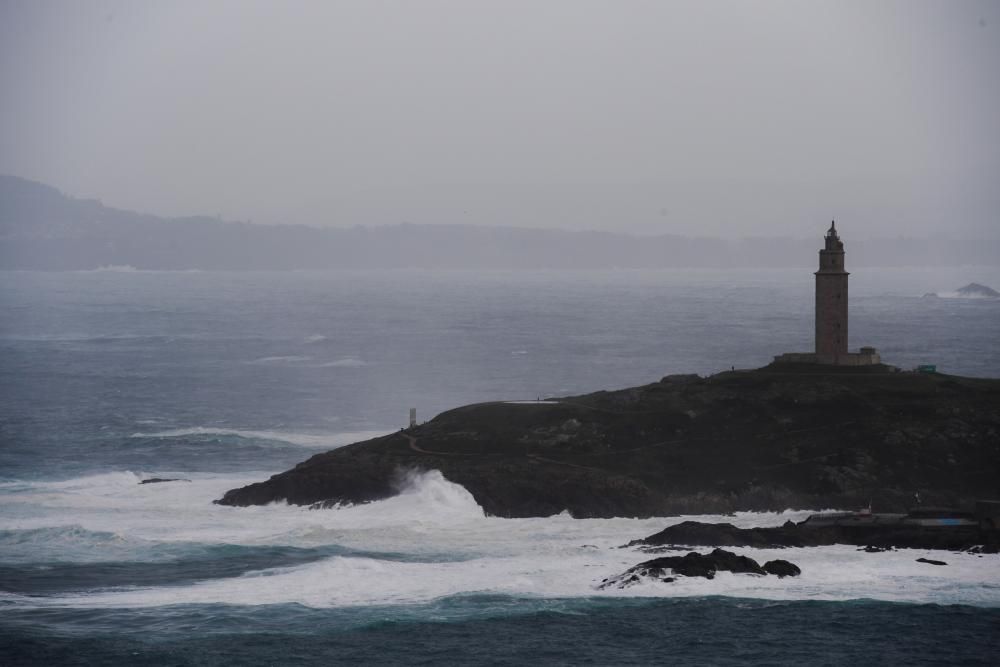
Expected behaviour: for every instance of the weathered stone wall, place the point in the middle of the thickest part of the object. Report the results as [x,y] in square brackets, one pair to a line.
[859,359]
[831,315]
[796,358]
[846,359]
[831,301]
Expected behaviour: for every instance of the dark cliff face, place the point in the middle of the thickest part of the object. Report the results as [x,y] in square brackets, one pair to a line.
[769,439]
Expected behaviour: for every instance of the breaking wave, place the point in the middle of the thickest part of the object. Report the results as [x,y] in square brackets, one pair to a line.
[281,359]
[115,268]
[429,542]
[346,362]
[967,296]
[328,440]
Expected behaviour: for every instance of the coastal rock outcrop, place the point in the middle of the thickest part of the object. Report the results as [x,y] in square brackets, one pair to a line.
[784,436]
[693,564]
[977,291]
[875,537]
[970,291]
[931,561]
[782,568]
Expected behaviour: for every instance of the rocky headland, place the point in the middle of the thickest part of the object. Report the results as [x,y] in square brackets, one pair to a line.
[784,436]
[874,536]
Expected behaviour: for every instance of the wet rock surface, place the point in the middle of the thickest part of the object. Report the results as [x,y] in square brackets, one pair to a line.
[668,568]
[931,561]
[782,568]
[873,539]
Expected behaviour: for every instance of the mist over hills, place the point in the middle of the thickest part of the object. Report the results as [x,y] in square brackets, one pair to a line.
[43,229]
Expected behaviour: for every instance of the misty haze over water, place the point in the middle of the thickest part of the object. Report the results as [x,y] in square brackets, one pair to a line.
[713,119]
[238,233]
[42,229]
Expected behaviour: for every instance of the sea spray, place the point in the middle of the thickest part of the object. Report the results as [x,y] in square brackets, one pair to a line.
[329,441]
[428,542]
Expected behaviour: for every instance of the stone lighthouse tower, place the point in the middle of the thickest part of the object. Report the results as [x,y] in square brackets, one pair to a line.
[831,314]
[831,301]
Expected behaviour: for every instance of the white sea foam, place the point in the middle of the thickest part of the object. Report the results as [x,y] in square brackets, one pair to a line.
[444,545]
[834,573]
[115,268]
[125,268]
[346,362]
[285,359]
[39,545]
[183,511]
[315,338]
[974,296]
[320,440]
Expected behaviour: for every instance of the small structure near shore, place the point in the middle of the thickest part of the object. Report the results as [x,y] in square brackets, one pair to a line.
[831,313]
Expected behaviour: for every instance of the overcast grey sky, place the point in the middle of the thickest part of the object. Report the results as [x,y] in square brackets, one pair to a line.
[714,118]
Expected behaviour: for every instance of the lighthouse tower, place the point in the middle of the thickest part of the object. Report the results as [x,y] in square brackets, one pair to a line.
[831,314]
[831,301]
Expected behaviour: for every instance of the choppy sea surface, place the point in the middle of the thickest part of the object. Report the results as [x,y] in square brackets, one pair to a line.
[220,379]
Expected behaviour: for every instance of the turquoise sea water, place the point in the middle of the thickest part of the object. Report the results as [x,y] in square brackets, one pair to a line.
[220,379]
[475,630]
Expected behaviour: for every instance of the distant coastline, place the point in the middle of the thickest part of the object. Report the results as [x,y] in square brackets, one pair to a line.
[43,229]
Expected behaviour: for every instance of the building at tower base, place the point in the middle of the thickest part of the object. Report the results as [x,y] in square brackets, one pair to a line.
[831,313]
[866,356]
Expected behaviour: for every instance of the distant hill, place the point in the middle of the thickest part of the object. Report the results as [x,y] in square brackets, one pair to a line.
[43,229]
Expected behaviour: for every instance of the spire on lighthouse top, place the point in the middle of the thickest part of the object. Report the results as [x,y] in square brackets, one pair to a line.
[833,242]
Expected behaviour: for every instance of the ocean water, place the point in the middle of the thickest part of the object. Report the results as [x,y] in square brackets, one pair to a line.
[220,379]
